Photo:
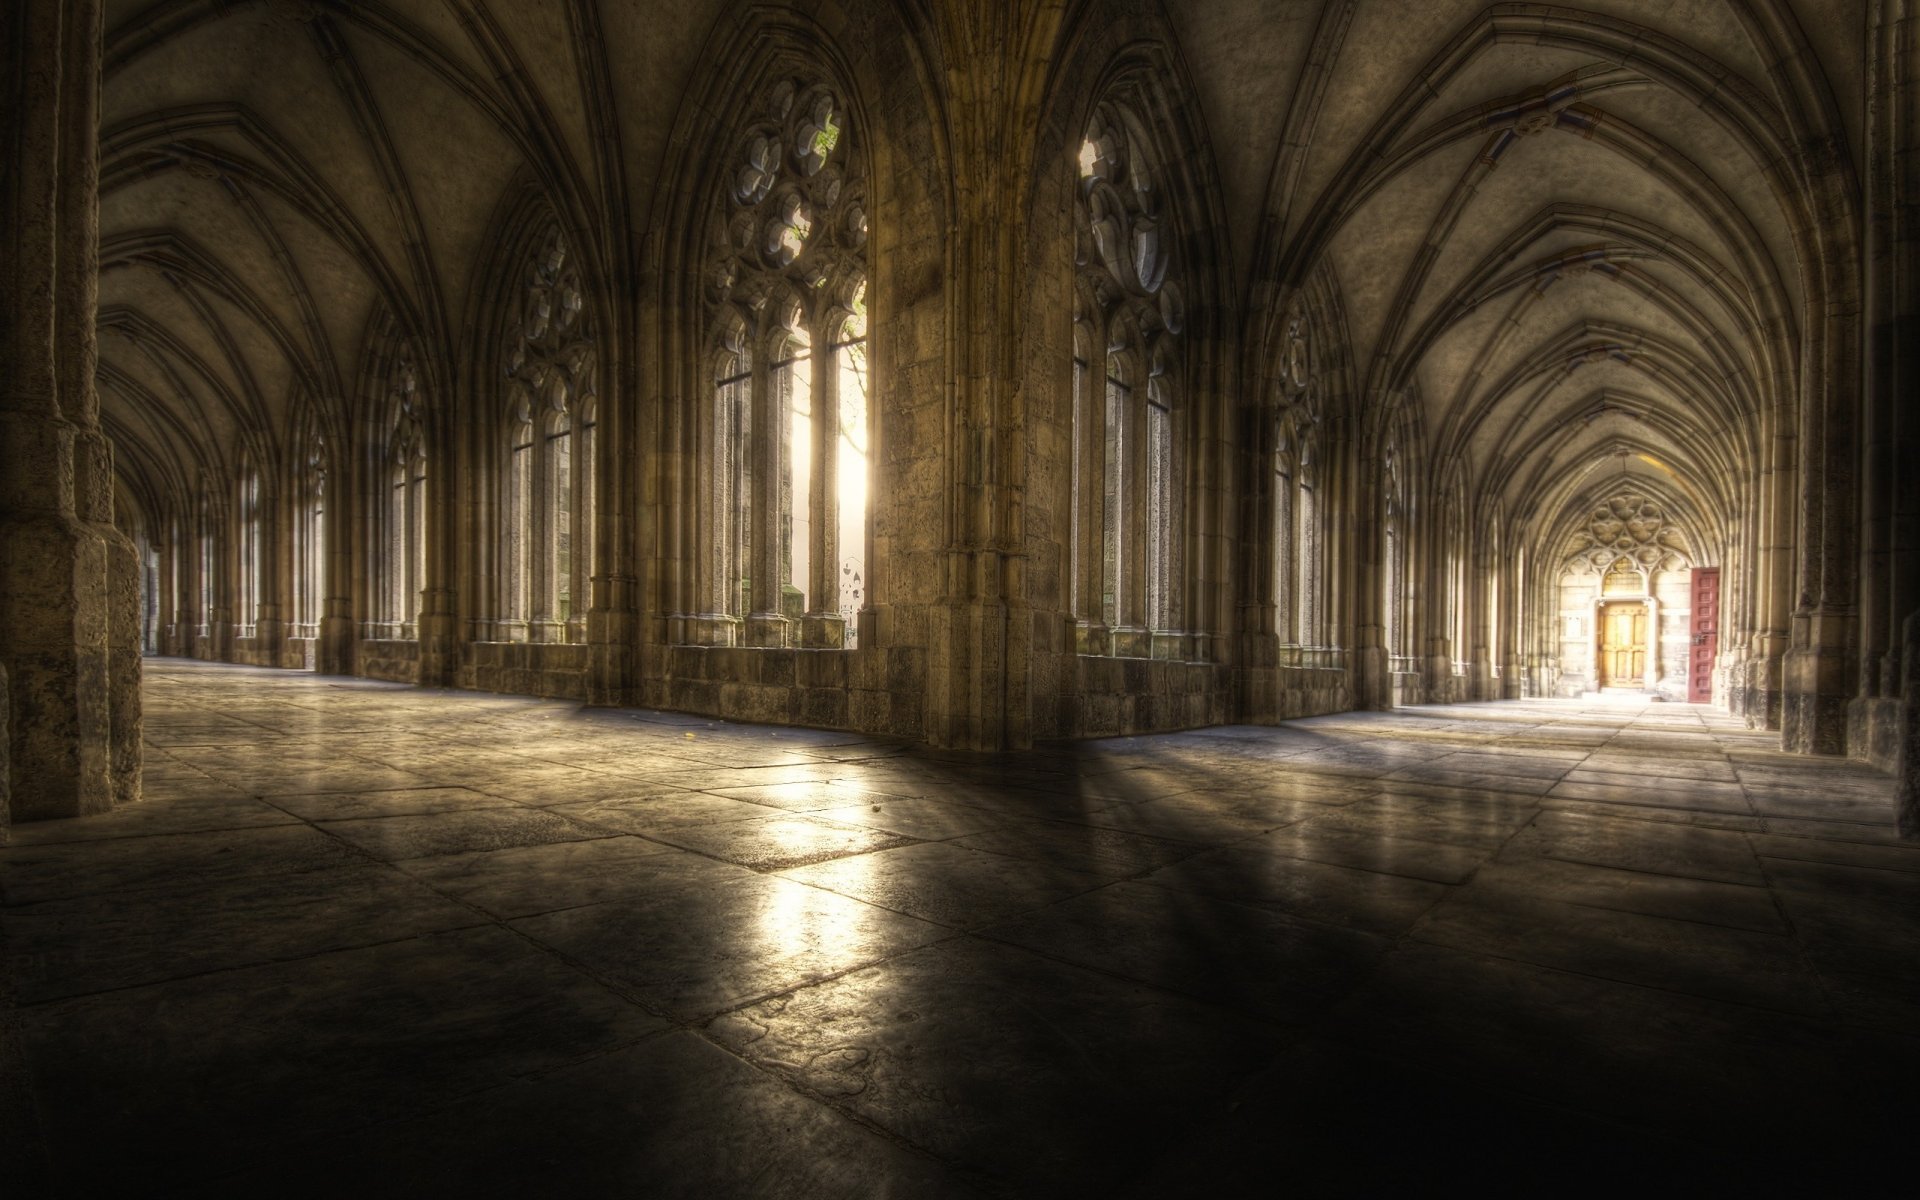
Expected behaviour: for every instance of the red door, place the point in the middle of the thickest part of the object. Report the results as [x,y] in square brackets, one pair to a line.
[1706,633]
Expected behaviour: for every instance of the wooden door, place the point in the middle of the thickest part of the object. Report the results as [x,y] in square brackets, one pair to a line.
[1706,634]
[1623,645]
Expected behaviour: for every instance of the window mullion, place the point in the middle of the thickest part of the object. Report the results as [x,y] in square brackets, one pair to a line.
[770,424]
[1135,482]
[539,530]
[824,503]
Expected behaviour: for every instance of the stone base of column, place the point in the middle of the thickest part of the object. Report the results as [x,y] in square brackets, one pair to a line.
[1816,690]
[612,674]
[704,629]
[1753,692]
[1874,730]
[1479,680]
[1513,684]
[1091,638]
[1540,677]
[766,629]
[53,600]
[966,688]
[334,653]
[439,641]
[1373,679]
[1129,642]
[823,631]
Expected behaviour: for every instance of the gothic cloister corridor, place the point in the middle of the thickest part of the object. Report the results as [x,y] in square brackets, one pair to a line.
[1026,598]
[367,939]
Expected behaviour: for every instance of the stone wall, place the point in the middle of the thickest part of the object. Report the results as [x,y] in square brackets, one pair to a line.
[558,670]
[394,661]
[877,690]
[1141,695]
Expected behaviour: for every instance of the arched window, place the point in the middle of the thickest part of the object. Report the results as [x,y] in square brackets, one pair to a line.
[247,597]
[551,370]
[1128,453]
[788,433]
[310,540]
[1298,549]
[400,551]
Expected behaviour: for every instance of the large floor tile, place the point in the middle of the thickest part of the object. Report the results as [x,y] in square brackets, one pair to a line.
[1045,1078]
[669,1116]
[1255,961]
[524,880]
[402,837]
[948,884]
[109,940]
[699,950]
[211,1073]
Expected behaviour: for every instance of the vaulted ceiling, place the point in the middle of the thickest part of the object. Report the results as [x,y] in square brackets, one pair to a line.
[272,170]
[1571,263]
[1575,240]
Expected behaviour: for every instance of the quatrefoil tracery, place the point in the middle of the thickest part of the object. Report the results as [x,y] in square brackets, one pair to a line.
[794,208]
[1629,527]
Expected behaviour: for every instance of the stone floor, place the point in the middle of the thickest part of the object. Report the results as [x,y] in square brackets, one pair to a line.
[367,940]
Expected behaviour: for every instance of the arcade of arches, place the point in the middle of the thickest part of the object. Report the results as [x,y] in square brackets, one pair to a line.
[976,375]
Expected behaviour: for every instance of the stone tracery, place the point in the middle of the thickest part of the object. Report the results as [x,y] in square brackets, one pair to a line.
[1128,445]
[550,365]
[1630,525]
[786,295]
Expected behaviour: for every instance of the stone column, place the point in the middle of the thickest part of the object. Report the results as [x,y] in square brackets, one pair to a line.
[167,590]
[822,627]
[1818,675]
[337,636]
[275,599]
[766,624]
[1885,721]
[68,641]
[436,623]
[1907,735]
[614,602]
[1373,658]
[1650,674]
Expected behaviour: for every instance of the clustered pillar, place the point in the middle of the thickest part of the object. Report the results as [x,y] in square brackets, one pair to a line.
[69,591]
[1884,720]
